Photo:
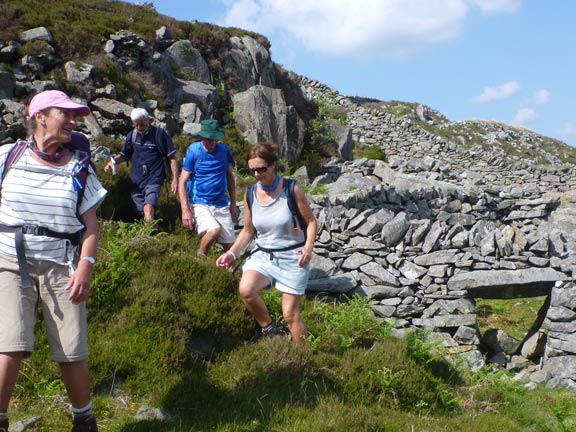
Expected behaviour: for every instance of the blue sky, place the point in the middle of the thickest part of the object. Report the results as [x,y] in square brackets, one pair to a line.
[508,60]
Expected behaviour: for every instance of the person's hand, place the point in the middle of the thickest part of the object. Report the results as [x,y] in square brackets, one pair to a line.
[174,185]
[305,257]
[226,260]
[79,283]
[188,220]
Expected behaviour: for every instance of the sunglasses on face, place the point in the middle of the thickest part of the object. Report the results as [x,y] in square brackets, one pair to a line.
[260,170]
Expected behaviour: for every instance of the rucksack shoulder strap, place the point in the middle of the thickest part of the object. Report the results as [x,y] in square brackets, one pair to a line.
[249,194]
[161,142]
[15,153]
[288,185]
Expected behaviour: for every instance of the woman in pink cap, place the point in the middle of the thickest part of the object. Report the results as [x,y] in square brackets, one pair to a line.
[48,241]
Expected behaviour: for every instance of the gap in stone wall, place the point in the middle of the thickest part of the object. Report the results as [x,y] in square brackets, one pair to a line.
[506,324]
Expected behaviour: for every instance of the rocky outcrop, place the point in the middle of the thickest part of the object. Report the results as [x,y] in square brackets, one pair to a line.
[188,92]
[246,63]
[263,116]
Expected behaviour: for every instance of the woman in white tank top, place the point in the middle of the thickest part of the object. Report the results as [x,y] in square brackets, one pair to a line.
[283,248]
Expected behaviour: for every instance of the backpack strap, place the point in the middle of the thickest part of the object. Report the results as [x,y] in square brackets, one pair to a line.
[133,133]
[79,144]
[15,153]
[161,142]
[288,186]
[249,194]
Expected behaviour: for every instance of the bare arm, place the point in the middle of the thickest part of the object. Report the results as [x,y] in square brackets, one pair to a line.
[311,226]
[174,169]
[244,238]
[79,283]
[187,216]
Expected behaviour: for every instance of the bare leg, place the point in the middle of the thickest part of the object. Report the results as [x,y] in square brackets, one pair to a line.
[77,382]
[291,315]
[207,240]
[148,212]
[9,367]
[251,284]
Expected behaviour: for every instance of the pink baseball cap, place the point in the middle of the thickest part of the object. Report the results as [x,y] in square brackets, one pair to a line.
[55,99]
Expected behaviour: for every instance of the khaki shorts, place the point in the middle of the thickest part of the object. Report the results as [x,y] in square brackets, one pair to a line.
[209,218]
[65,321]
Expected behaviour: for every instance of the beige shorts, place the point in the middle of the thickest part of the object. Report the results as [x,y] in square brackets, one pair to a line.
[65,321]
[209,218]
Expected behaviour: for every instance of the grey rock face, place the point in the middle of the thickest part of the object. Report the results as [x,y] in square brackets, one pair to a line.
[262,115]
[188,60]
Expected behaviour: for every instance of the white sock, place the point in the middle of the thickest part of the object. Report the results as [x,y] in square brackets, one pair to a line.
[82,412]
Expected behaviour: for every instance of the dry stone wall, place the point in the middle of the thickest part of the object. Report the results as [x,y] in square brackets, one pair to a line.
[440,225]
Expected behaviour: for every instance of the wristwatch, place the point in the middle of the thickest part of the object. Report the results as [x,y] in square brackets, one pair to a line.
[90,259]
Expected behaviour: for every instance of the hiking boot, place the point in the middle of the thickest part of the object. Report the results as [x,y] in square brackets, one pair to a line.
[85,424]
[4,425]
[270,331]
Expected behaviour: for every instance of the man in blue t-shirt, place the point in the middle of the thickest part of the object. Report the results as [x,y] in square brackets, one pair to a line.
[207,189]
[147,147]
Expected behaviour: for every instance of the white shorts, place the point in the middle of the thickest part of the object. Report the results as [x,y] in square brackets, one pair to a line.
[282,270]
[209,218]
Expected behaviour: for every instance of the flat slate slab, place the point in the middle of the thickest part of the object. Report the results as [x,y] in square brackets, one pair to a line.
[530,282]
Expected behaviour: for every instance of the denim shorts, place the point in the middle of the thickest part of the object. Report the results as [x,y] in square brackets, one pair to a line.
[281,270]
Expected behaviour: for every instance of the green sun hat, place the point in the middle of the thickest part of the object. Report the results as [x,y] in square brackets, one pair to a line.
[210,129]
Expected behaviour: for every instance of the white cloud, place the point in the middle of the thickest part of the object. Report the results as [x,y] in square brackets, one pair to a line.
[503,91]
[569,130]
[498,6]
[541,97]
[524,116]
[360,28]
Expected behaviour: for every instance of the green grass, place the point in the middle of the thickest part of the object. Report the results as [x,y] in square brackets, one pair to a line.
[173,334]
[514,316]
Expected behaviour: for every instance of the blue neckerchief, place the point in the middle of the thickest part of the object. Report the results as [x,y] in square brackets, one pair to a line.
[272,187]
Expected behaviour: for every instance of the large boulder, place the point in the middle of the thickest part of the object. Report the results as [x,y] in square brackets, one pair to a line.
[205,96]
[188,61]
[262,115]
[247,63]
